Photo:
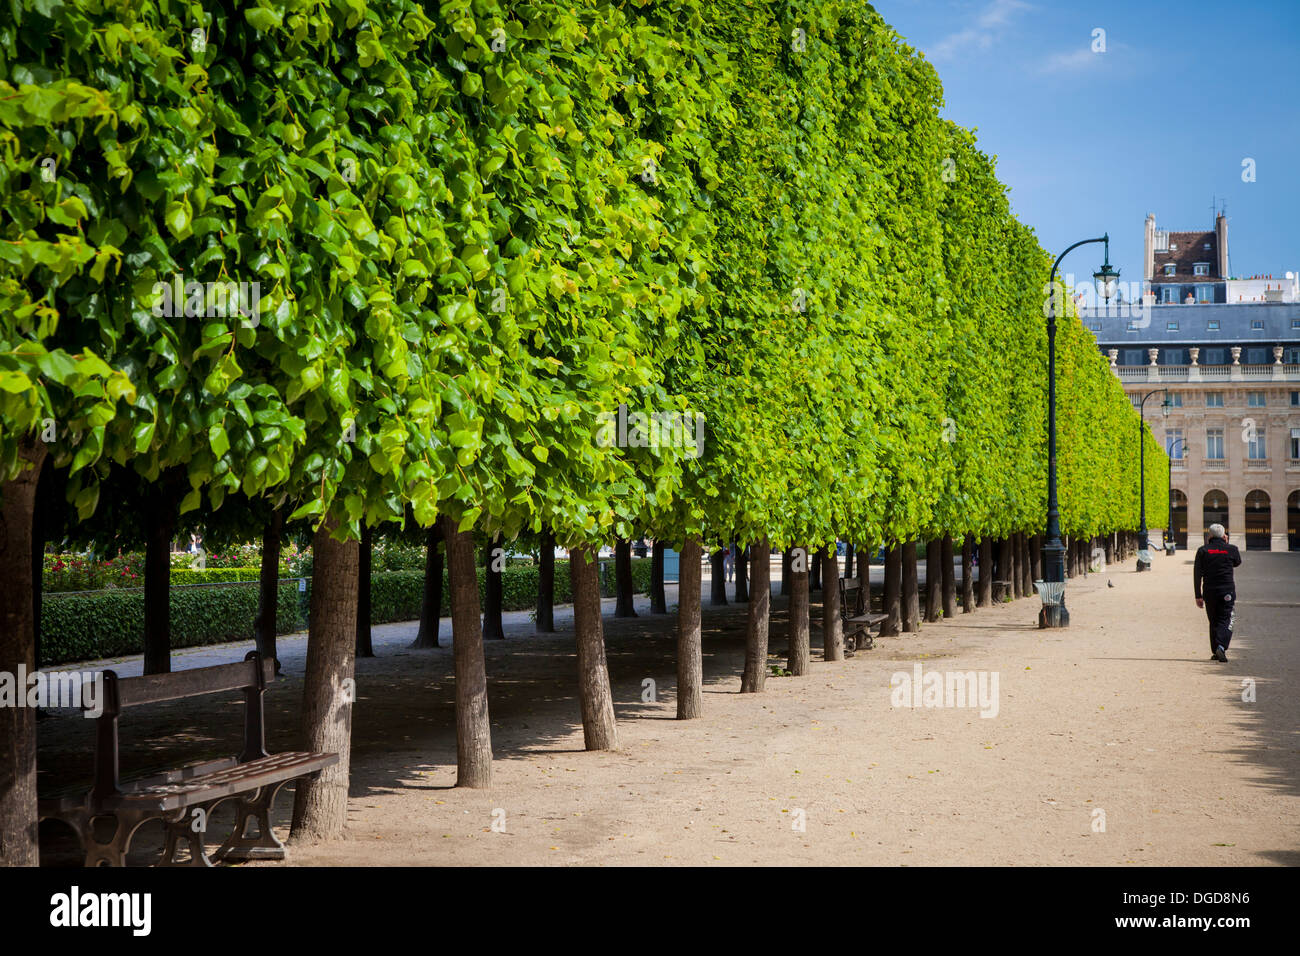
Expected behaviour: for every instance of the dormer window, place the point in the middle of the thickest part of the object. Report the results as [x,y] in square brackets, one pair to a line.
[1169,268]
[1173,245]
[1201,269]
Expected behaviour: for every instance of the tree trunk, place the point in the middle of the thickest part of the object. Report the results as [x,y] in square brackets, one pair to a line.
[848,560]
[967,578]
[911,595]
[599,731]
[1005,570]
[624,599]
[1017,565]
[546,582]
[49,498]
[473,732]
[690,651]
[785,570]
[949,578]
[832,621]
[431,606]
[268,599]
[18,812]
[320,806]
[1035,558]
[658,596]
[718,580]
[893,598]
[1026,567]
[741,563]
[815,570]
[365,552]
[800,644]
[494,558]
[864,576]
[985,595]
[160,528]
[933,580]
[757,618]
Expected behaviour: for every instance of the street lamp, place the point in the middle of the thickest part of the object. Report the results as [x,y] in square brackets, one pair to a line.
[1172,543]
[1055,614]
[1144,553]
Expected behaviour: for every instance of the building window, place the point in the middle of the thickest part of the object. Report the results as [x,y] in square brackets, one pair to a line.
[1257,325]
[1214,444]
[1256,356]
[1255,399]
[1171,326]
[1132,357]
[1207,247]
[1169,268]
[1295,323]
[1292,356]
[1295,444]
[1255,448]
[1175,399]
[1095,326]
[1295,398]
[1212,325]
[1174,436]
[1214,356]
[1205,293]
[1201,269]
[1214,400]
[1173,246]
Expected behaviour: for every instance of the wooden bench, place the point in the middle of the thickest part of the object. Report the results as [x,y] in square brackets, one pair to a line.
[858,624]
[184,798]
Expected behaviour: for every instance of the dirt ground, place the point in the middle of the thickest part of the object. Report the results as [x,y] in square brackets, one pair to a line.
[1122,713]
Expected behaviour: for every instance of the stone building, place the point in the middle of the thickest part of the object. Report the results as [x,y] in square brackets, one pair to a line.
[1232,375]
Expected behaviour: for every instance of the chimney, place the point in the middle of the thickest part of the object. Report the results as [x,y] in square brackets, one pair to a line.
[1149,248]
[1221,241]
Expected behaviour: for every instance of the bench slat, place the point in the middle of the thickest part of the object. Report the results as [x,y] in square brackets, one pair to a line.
[225,782]
[155,688]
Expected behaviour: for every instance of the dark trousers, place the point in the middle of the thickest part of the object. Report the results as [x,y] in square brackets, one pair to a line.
[1219,609]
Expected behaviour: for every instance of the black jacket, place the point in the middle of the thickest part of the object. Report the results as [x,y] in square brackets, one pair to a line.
[1212,572]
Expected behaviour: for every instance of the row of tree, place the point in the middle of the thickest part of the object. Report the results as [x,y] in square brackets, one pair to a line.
[375,262]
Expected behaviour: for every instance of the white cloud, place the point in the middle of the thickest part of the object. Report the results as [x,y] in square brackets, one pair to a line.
[983,33]
[1071,61]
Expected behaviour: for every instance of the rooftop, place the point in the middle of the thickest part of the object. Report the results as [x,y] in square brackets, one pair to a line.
[1194,324]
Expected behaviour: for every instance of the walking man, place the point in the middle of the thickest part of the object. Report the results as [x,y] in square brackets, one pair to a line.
[1215,589]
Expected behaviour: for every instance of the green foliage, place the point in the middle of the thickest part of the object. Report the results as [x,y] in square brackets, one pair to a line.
[480,228]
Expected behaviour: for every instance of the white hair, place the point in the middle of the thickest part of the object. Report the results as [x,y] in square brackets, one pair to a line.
[1217,531]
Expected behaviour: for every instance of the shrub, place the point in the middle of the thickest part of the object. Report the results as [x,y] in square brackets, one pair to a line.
[110,623]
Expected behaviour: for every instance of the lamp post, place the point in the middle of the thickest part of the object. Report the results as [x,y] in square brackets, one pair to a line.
[1055,615]
[1144,553]
[1172,544]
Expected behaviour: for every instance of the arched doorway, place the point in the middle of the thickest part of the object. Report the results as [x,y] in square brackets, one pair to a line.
[1178,501]
[1214,510]
[1293,520]
[1259,521]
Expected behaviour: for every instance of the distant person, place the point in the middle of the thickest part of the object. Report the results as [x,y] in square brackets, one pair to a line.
[1215,588]
[728,564]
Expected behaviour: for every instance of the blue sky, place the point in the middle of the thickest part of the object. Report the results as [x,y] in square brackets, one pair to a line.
[1160,122]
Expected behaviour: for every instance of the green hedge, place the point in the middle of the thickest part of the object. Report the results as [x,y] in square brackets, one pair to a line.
[78,627]
[110,623]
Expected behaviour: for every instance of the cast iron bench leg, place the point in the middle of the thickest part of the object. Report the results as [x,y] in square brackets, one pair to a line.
[264,844]
[112,853]
[181,829]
